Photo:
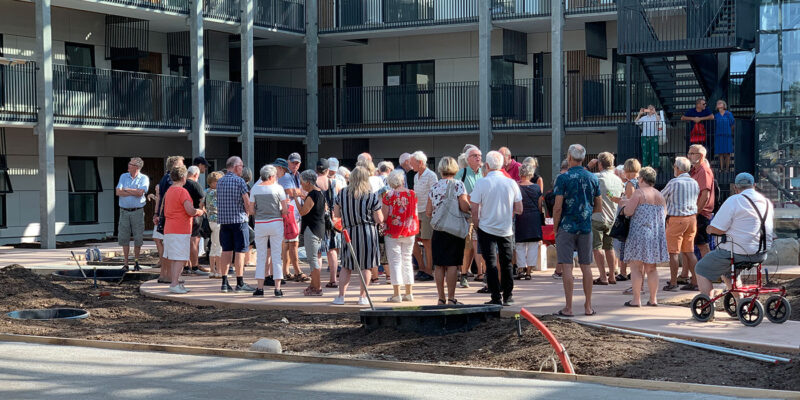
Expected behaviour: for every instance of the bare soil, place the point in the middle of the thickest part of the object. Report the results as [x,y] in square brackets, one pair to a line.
[126,315]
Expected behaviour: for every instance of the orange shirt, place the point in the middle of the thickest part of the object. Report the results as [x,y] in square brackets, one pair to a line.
[177,220]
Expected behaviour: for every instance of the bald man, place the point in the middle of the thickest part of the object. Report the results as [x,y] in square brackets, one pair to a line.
[510,165]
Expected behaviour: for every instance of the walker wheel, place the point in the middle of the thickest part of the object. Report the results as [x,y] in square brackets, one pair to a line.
[778,309]
[729,303]
[698,311]
[748,316]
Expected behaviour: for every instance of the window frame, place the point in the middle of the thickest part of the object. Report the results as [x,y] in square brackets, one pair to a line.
[3,215]
[403,92]
[71,190]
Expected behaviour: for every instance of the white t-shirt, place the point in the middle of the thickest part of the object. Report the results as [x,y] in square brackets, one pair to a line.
[422,186]
[741,223]
[649,124]
[267,200]
[376,183]
[496,194]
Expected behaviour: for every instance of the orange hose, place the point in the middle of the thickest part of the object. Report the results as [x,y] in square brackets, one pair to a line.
[559,348]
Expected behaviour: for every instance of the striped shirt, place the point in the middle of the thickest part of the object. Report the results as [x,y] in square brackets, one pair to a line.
[230,205]
[681,196]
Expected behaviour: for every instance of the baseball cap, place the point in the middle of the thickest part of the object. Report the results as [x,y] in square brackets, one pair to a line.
[201,161]
[744,179]
[322,166]
[295,157]
[333,164]
[281,162]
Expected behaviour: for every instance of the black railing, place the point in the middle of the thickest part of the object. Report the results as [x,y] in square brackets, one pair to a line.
[287,15]
[178,6]
[223,105]
[18,92]
[509,9]
[406,108]
[599,100]
[109,98]
[681,26]
[590,6]
[360,15]
[226,10]
[521,104]
[280,110]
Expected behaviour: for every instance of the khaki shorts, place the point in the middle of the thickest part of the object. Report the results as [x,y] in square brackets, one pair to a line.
[131,226]
[600,238]
[425,229]
[680,234]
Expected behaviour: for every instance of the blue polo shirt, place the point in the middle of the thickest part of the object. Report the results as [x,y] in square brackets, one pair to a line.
[127,182]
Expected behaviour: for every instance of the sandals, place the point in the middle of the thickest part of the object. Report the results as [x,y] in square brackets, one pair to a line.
[629,304]
[332,285]
[289,277]
[479,277]
[309,291]
[560,313]
[441,302]
[684,280]
[301,278]
[621,278]
[454,302]
[374,280]
[527,277]
[599,282]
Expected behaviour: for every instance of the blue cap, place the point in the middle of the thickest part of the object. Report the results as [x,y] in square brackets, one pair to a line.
[744,179]
[281,162]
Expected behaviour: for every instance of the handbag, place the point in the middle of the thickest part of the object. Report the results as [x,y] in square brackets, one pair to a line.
[205,227]
[450,218]
[621,227]
[290,228]
[698,134]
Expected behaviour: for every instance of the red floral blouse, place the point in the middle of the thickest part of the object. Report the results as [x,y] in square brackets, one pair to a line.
[402,220]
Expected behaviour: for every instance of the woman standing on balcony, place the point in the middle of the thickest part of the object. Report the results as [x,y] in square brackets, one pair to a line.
[723,134]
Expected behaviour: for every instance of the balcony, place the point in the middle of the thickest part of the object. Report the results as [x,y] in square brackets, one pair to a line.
[280,110]
[18,93]
[667,27]
[109,98]
[515,9]
[224,10]
[177,6]
[521,104]
[285,15]
[599,100]
[223,106]
[371,15]
[574,7]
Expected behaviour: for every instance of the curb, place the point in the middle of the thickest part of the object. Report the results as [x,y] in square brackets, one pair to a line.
[411,367]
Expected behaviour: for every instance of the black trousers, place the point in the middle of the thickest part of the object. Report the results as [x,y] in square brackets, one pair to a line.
[505,251]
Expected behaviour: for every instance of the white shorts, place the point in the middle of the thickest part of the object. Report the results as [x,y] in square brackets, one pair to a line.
[157,235]
[176,246]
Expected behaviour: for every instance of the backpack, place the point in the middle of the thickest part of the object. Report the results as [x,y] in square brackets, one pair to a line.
[717,196]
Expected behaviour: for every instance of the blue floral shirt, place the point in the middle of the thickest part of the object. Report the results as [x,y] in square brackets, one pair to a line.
[579,188]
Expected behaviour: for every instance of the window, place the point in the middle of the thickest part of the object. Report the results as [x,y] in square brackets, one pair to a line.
[84,185]
[80,67]
[409,90]
[79,55]
[508,100]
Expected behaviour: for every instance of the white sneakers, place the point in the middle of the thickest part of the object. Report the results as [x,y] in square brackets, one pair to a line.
[179,289]
[339,300]
[362,301]
[394,299]
[408,297]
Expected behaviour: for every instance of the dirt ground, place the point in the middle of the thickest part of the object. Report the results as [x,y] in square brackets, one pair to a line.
[126,315]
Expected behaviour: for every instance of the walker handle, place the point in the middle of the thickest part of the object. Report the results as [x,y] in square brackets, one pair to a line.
[346,236]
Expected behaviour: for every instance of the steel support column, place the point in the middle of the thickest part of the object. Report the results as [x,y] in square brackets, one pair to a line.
[44,128]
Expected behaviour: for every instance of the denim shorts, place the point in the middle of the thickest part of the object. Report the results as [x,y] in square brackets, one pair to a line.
[234,237]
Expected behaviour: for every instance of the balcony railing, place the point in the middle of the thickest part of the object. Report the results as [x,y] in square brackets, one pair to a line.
[685,26]
[521,104]
[223,106]
[178,6]
[18,92]
[364,15]
[599,100]
[590,6]
[110,98]
[280,110]
[510,9]
[287,15]
[226,10]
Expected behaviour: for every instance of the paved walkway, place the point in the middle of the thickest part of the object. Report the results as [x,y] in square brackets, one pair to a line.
[57,258]
[29,371]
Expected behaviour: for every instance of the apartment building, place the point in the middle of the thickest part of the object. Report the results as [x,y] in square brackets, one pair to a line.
[152,78]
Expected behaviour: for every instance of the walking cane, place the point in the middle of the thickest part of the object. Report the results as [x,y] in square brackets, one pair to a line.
[357,267]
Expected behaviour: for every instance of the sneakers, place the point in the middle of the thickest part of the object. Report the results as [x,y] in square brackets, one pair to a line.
[179,289]
[394,299]
[408,297]
[339,300]
[278,293]
[363,301]
[244,288]
[423,277]
[463,283]
[199,272]
[509,301]
[225,286]
[556,275]
[136,266]
[667,288]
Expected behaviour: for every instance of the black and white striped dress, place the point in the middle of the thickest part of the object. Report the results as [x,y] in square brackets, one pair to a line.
[358,220]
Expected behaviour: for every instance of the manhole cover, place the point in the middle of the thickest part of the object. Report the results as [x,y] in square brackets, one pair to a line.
[50,313]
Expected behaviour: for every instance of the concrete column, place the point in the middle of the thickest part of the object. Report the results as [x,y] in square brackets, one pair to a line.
[312,103]
[44,128]
[248,82]
[628,90]
[557,84]
[196,49]
[485,74]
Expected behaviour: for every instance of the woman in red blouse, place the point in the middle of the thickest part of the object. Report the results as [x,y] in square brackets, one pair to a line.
[402,225]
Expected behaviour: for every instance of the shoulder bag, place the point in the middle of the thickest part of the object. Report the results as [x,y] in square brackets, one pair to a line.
[450,218]
[621,227]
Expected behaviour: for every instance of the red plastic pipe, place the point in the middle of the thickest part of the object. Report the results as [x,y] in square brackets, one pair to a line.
[558,347]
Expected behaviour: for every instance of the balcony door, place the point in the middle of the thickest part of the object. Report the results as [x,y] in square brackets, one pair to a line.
[409,90]
[351,102]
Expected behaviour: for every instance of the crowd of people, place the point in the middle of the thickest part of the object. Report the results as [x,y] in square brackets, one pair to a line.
[477,216]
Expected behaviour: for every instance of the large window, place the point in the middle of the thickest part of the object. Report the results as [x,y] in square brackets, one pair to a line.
[79,55]
[80,63]
[84,186]
[409,90]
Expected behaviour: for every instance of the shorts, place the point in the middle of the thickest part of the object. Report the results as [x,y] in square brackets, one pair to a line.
[681,232]
[600,238]
[718,263]
[568,243]
[425,228]
[197,223]
[234,237]
[176,246]
[702,237]
[131,225]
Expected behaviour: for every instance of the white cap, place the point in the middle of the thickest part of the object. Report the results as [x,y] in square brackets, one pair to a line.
[333,164]
[404,157]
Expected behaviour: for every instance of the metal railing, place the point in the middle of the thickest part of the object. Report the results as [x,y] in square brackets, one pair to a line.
[365,15]
[18,92]
[287,15]
[590,6]
[679,26]
[599,100]
[223,105]
[521,104]
[280,110]
[438,107]
[178,6]
[110,98]
[226,10]
[510,9]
